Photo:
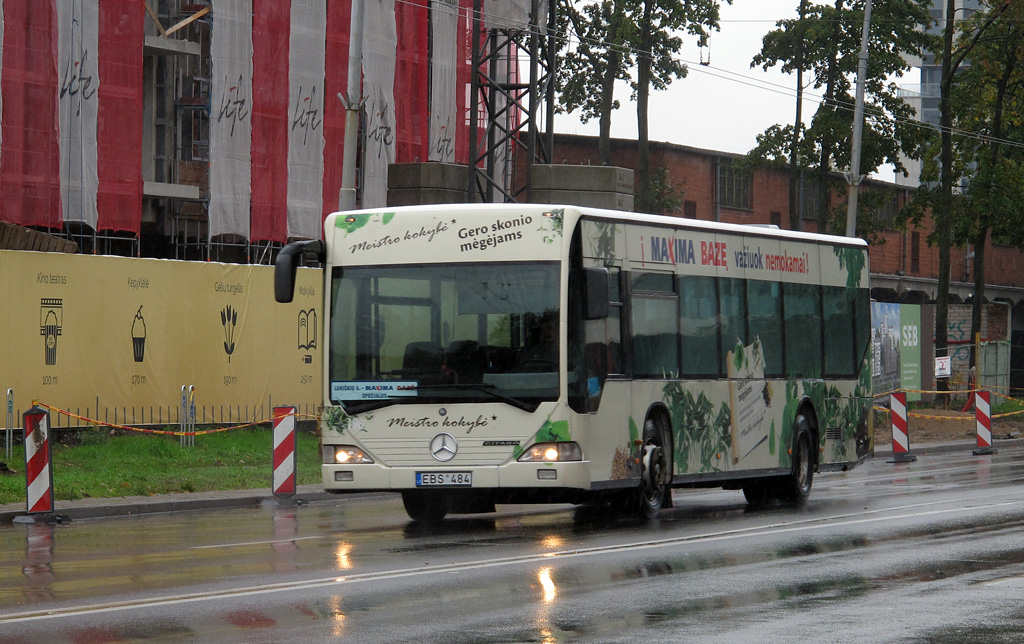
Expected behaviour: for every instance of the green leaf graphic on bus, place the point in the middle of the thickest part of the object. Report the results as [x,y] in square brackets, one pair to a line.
[553,431]
[335,418]
[634,431]
[697,429]
[549,432]
[852,259]
[352,223]
[555,230]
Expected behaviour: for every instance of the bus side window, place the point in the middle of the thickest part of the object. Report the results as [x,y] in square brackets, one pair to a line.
[655,318]
[801,305]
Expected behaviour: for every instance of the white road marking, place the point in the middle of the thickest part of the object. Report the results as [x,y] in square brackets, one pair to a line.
[805,525]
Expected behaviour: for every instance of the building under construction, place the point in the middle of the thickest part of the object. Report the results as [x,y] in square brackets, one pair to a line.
[215,129]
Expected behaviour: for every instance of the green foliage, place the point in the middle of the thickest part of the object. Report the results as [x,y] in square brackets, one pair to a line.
[666,198]
[988,99]
[101,465]
[824,44]
[597,51]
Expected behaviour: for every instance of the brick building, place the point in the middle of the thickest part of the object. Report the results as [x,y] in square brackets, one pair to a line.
[904,268]
[713,186]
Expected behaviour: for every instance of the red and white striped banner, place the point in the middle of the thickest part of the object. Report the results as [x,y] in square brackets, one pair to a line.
[71,146]
[72,106]
[444,29]
[231,104]
[983,419]
[305,159]
[900,435]
[284,451]
[380,42]
[38,470]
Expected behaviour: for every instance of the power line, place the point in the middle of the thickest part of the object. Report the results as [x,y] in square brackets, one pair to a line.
[731,76]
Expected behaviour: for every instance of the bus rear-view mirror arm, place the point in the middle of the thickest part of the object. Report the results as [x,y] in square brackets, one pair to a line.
[287,264]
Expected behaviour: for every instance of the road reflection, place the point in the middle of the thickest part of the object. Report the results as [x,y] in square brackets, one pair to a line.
[38,566]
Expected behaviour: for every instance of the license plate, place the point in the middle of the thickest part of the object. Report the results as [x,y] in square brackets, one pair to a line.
[437,479]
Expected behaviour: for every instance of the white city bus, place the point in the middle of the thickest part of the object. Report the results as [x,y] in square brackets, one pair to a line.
[481,353]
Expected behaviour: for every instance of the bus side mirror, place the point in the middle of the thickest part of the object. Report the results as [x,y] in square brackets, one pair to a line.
[287,263]
[595,290]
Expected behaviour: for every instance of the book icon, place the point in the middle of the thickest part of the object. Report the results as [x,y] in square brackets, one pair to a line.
[307,333]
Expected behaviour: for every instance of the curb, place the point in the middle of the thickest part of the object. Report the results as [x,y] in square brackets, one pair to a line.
[179,502]
[945,448]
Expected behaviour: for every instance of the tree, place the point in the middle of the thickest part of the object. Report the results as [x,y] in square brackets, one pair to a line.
[987,97]
[820,43]
[944,210]
[596,56]
[657,44]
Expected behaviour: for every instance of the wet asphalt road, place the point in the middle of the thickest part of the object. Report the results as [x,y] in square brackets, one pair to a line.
[931,551]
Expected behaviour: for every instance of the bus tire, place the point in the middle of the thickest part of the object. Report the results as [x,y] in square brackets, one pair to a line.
[427,506]
[795,488]
[757,494]
[656,477]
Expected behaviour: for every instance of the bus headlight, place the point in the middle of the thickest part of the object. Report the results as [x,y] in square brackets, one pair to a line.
[348,454]
[552,453]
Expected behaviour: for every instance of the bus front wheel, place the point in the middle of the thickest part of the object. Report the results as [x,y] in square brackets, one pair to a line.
[426,506]
[656,479]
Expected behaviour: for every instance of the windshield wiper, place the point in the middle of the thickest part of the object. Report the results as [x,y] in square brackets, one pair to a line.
[485,388]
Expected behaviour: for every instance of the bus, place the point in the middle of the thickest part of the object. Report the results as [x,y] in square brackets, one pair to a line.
[479,354]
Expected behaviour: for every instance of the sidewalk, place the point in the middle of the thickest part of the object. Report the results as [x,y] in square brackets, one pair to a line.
[183,501]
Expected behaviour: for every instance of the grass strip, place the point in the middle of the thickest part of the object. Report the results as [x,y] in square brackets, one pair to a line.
[95,463]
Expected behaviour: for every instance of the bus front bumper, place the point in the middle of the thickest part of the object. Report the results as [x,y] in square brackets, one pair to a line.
[363,477]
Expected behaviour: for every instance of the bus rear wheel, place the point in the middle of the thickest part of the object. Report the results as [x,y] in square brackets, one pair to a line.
[426,506]
[795,488]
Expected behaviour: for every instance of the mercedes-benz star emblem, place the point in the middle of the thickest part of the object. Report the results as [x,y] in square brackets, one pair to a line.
[443,447]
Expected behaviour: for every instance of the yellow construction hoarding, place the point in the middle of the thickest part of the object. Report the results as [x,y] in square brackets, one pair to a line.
[115,338]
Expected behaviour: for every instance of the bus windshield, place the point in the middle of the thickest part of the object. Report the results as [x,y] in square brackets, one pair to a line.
[444,333]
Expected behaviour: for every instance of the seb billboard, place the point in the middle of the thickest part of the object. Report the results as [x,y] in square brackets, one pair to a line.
[116,338]
[896,347]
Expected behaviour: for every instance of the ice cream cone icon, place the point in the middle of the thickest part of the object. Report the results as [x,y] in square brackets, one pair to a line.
[139,336]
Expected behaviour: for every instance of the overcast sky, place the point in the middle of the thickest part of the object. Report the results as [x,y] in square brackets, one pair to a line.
[722,106]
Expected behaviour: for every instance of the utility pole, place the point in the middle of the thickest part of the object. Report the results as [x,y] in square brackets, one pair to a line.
[795,174]
[348,196]
[853,177]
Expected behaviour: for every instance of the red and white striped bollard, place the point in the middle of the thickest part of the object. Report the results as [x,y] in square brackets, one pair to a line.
[900,434]
[983,420]
[284,452]
[38,468]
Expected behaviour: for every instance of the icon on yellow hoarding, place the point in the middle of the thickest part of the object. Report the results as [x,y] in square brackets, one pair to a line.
[307,333]
[139,336]
[228,319]
[51,324]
